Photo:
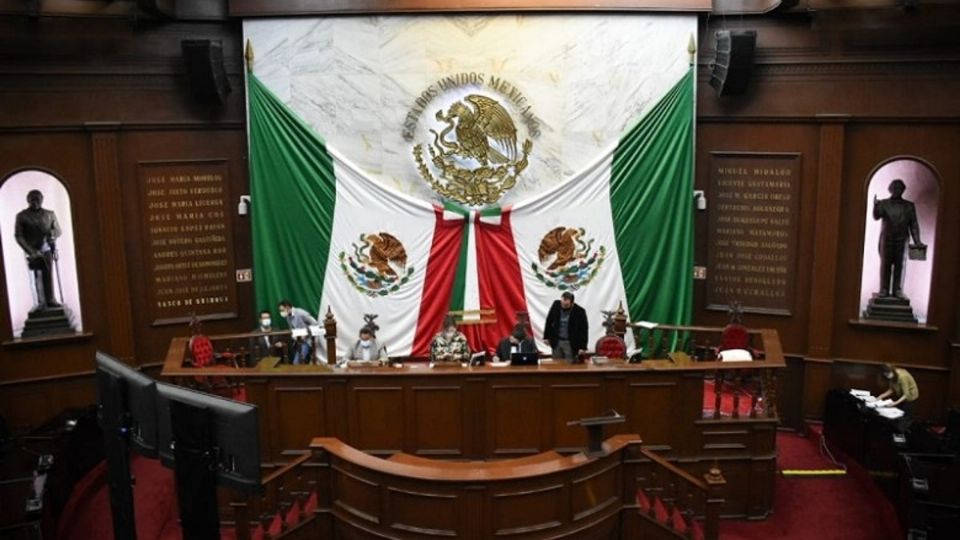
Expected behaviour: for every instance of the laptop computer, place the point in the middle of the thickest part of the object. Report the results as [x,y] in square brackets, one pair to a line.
[525,359]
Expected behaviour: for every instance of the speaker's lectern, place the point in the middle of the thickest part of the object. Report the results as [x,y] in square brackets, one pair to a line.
[594,427]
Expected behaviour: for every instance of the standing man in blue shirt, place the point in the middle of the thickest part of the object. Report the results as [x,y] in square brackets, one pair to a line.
[567,328]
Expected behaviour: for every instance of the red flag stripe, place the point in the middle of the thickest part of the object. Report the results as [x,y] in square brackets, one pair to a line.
[438,283]
[499,279]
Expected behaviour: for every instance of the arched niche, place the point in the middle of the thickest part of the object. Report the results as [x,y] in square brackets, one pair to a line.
[22,295]
[922,185]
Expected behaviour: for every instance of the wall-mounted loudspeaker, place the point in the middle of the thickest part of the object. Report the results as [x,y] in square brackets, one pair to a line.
[734,62]
[205,71]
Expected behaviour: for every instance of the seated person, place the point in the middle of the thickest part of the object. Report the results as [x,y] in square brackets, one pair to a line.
[366,348]
[449,345]
[517,341]
[902,388]
[269,344]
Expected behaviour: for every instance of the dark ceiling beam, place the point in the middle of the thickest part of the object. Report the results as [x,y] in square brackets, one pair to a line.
[271,8]
[745,7]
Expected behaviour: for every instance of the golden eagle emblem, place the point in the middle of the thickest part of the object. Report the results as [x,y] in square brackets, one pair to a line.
[485,132]
[378,265]
[474,158]
[568,259]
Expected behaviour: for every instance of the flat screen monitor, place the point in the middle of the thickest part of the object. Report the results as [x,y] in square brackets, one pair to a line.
[137,400]
[525,359]
[233,430]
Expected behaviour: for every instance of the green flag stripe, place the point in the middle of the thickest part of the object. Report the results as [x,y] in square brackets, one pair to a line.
[293,191]
[460,279]
[651,199]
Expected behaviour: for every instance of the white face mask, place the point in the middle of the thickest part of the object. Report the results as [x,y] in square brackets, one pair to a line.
[265,323]
[284,313]
[448,334]
[365,343]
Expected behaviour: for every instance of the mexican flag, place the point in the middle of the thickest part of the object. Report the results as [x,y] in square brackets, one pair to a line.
[327,236]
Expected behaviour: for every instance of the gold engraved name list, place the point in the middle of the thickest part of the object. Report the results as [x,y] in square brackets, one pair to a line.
[187,240]
[753,230]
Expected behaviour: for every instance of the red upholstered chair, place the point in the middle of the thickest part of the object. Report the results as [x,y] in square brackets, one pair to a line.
[734,336]
[611,347]
[201,350]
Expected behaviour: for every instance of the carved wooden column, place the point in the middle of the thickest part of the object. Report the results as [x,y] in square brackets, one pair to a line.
[104,142]
[330,333]
[715,482]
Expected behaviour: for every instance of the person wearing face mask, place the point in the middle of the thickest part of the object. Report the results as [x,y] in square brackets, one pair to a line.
[366,348]
[268,342]
[449,345]
[298,319]
[517,341]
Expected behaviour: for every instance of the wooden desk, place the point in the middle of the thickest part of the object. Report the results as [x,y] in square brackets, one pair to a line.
[488,412]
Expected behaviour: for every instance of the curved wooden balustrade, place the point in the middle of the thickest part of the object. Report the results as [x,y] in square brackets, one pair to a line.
[338,491]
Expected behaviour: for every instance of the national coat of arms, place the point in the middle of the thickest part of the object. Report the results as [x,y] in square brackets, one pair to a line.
[378,264]
[474,159]
[567,259]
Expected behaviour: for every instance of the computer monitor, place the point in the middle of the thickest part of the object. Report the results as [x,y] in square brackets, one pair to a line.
[234,436]
[137,399]
[525,359]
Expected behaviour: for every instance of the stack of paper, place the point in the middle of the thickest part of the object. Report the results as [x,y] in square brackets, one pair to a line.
[890,412]
[863,395]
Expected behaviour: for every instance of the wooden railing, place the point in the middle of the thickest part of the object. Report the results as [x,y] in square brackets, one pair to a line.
[286,506]
[676,504]
[698,347]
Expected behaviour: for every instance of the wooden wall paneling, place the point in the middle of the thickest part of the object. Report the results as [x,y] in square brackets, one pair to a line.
[520,507]
[572,401]
[869,145]
[826,242]
[66,156]
[106,173]
[436,424]
[826,246]
[337,398]
[733,135]
[359,495]
[26,404]
[260,393]
[687,410]
[596,493]
[762,477]
[790,393]
[475,417]
[650,411]
[183,144]
[953,395]
[426,513]
[515,417]
[377,416]
[308,407]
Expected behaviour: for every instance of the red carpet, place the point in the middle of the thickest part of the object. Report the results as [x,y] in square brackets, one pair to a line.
[847,507]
